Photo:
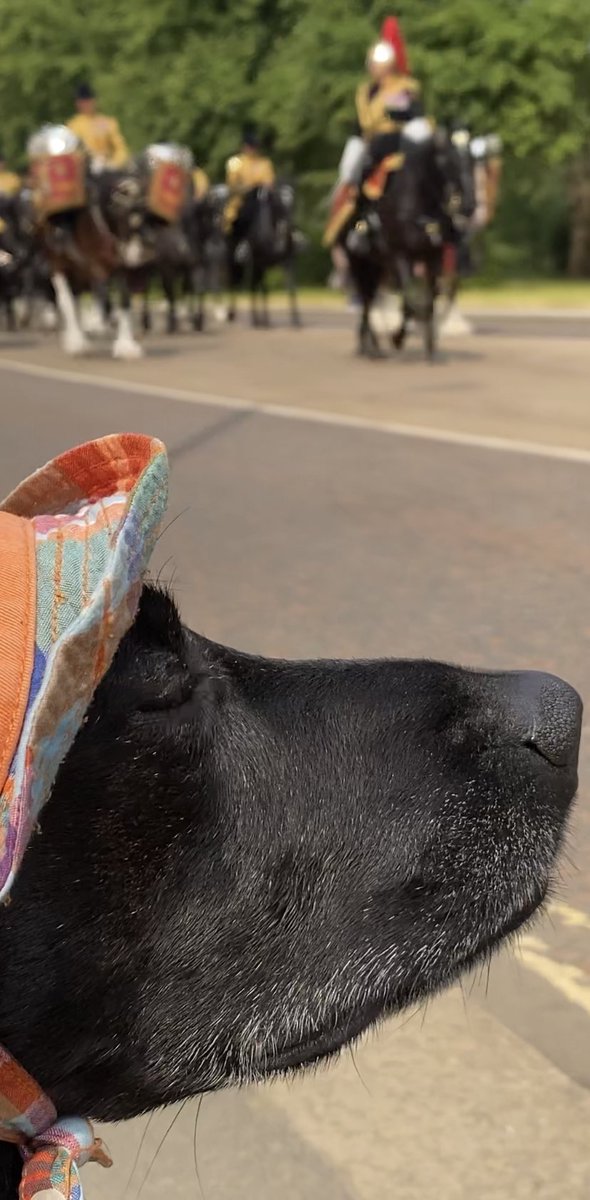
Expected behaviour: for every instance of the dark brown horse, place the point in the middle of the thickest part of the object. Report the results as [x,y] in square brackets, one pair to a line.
[398,240]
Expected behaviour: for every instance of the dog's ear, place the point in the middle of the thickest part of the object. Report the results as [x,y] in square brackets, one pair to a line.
[156,668]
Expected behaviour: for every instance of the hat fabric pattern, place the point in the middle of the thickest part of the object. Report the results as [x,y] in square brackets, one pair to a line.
[75,539]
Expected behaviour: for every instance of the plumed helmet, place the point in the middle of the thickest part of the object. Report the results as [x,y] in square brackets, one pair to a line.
[392,34]
[381,54]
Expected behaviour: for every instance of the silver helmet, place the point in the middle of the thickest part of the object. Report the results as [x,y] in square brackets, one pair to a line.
[51,140]
[168,152]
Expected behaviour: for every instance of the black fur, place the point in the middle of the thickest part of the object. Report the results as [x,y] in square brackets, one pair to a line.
[245,862]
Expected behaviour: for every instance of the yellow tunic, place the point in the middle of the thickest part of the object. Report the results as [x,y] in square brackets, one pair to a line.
[102,137]
[372,110]
[200,182]
[10,183]
[242,173]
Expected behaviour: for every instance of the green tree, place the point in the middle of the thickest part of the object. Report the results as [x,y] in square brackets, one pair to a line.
[196,72]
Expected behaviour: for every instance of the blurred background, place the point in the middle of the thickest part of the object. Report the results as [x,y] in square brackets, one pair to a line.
[323,505]
[192,73]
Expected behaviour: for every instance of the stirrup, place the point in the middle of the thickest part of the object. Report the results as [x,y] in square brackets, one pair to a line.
[242,252]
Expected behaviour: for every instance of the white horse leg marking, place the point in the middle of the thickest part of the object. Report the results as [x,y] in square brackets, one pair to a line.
[48,318]
[455,324]
[73,339]
[93,320]
[125,344]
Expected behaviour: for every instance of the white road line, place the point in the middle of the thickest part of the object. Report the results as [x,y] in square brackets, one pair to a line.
[291,413]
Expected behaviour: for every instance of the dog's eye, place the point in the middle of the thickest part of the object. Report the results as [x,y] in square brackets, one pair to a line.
[173,693]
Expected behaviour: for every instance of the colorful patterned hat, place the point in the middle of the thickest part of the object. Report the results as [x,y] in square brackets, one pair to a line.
[75,539]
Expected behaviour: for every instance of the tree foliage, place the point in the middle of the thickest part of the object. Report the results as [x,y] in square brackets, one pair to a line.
[195,71]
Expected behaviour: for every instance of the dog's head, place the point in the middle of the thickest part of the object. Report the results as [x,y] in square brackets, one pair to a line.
[246,862]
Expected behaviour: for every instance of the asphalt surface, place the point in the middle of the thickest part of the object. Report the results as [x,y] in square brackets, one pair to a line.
[515,324]
[299,538]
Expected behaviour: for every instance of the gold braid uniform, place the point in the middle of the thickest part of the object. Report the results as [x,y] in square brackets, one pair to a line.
[102,137]
[242,173]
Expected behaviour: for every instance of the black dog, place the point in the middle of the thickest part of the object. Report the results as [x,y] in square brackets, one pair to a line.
[244,863]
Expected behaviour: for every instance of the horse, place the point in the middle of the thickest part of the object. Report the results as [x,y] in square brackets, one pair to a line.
[72,234]
[202,271]
[149,245]
[14,254]
[400,238]
[264,236]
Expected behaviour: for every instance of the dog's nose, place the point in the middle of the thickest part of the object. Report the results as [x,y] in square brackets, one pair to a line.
[544,713]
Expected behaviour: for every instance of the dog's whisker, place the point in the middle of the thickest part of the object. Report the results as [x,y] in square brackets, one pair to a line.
[167,1131]
[170,523]
[162,569]
[356,1068]
[195,1156]
[140,1147]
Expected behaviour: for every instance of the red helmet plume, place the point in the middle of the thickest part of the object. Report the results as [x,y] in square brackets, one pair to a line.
[391,32]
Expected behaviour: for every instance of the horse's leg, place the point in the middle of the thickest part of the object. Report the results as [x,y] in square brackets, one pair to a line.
[10,315]
[266,321]
[291,281]
[73,339]
[146,312]
[125,345]
[216,279]
[254,293]
[364,330]
[398,338]
[430,314]
[232,310]
[404,278]
[168,284]
[94,316]
[368,342]
[196,282]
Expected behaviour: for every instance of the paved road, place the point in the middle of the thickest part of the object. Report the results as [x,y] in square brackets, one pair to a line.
[517,324]
[297,537]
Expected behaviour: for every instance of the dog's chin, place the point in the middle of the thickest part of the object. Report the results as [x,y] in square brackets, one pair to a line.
[330,1041]
[326,1044]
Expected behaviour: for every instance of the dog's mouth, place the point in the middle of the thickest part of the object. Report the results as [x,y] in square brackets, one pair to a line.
[325,1043]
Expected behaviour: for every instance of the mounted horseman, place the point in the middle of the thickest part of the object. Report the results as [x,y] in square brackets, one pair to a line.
[383,102]
[99,134]
[102,219]
[260,227]
[399,187]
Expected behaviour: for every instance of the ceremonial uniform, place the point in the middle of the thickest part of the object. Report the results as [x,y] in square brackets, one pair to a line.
[383,102]
[243,172]
[102,138]
[10,182]
[201,183]
[378,103]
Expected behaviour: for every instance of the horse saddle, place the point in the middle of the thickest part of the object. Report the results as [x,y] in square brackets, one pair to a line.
[376,183]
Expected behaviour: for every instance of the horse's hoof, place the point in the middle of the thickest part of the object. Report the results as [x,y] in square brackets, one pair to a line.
[75,344]
[92,321]
[221,314]
[146,323]
[198,323]
[48,320]
[127,348]
[372,352]
[398,340]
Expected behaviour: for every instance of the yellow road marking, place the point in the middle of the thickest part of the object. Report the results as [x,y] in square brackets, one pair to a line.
[569,915]
[571,981]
